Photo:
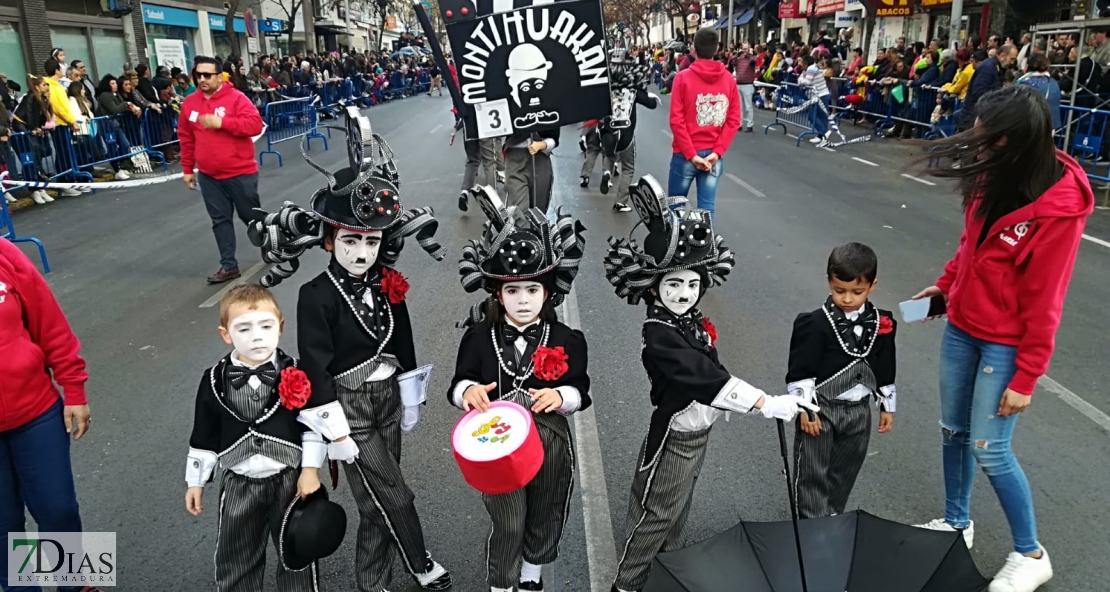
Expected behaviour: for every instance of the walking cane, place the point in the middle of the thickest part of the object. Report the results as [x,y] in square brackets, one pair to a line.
[793,502]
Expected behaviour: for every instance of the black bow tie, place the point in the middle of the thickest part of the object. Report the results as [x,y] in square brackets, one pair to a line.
[239,375]
[531,334]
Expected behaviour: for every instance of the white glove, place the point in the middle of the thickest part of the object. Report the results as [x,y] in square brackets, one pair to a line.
[410,418]
[344,450]
[784,407]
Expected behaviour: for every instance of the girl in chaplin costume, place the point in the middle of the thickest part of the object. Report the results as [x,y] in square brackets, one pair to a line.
[515,350]
[690,389]
[355,341]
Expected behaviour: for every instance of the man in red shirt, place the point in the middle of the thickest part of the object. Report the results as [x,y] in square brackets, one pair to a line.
[705,115]
[223,122]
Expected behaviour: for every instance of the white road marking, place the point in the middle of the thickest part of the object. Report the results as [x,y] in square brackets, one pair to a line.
[1097,241]
[215,299]
[600,545]
[420,181]
[741,183]
[867,162]
[1076,402]
[435,129]
[668,132]
[791,136]
[829,149]
[922,181]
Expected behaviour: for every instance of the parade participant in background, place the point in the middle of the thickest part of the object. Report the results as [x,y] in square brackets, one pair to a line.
[40,353]
[629,82]
[705,115]
[841,356]
[744,69]
[355,339]
[528,174]
[1025,207]
[223,121]
[516,350]
[590,142]
[680,259]
[246,421]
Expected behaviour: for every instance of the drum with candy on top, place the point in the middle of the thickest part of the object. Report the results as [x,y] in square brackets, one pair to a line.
[498,451]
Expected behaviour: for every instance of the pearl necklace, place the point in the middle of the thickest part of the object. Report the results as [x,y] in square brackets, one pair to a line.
[501,360]
[840,340]
[350,302]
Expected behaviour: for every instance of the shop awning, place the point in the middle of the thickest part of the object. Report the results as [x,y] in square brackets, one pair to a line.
[740,19]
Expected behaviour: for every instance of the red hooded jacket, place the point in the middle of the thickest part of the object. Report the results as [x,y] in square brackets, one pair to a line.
[1011,289]
[35,341]
[225,152]
[705,109]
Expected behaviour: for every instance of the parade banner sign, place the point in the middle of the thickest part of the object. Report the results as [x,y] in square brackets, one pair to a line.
[530,69]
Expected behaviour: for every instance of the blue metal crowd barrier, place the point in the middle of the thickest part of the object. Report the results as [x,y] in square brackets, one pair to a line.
[7,227]
[287,120]
[1088,130]
[791,96]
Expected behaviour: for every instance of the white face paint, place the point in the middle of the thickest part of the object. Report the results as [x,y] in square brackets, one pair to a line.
[357,251]
[255,335]
[522,301]
[680,290]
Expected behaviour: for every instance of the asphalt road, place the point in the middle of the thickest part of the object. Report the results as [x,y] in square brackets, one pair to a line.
[129,269]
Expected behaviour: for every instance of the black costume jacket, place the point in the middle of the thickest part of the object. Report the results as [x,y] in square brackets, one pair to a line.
[683,367]
[337,332]
[825,349]
[218,429]
[618,140]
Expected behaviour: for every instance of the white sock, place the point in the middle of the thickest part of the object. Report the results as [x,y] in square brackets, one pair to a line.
[530,572]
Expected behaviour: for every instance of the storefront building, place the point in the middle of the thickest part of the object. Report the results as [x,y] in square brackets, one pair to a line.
[74,25]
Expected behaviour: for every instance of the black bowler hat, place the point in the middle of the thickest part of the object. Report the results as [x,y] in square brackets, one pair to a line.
[312,529]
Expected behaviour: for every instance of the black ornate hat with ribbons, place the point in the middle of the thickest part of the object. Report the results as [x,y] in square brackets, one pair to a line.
[519,246]
[364,196]
[677,238]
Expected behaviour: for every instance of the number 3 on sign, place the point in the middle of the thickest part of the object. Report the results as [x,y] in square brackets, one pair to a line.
[493,119]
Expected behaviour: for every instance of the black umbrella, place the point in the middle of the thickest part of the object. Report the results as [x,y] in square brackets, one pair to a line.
[852,552]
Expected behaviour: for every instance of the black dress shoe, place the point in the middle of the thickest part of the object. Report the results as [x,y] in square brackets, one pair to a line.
[584,181]
[462,201]
[530,586]
[606,181]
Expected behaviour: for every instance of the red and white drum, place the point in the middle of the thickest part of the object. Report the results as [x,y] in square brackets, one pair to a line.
[498,451]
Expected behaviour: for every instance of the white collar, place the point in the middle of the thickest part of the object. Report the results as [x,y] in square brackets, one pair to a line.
[235,361]
[854,315]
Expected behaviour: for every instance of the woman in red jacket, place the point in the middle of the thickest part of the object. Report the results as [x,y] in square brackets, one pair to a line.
[35,419]
[1025,205]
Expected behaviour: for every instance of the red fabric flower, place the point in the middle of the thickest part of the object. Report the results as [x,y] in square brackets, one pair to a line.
[394,285]
[294,388]
[549,363]
[886,325]
[710,328]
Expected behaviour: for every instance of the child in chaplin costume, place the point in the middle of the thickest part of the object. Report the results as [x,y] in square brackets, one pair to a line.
[841,356]
[516,350]
[356,343]
[246,421]
[690,389]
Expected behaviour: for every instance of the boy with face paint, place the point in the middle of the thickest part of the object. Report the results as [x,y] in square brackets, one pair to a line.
[246,421]
[356,343]
[841,355]
[503,357]
[690,387]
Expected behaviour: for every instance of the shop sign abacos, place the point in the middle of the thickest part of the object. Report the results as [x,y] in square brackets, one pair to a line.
[884,8]
[533,68]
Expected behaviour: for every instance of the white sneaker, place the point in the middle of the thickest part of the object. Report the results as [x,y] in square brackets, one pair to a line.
[815,139]
[122,176]
[8,198]
[38,196]
[85,190]
[940,524]
[1022,574]
[46,196]
[70,192]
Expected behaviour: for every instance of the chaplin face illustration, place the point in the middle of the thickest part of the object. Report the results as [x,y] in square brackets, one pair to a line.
[527,75]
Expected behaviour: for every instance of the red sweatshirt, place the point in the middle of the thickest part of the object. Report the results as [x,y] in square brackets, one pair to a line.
[225,152]
[705,109]
[35,341]
[1011,289]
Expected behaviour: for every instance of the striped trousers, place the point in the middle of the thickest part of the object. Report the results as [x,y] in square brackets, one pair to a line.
[626,159]
[528,523]
[248,509]
[388,522]
[660,504]
[826,465]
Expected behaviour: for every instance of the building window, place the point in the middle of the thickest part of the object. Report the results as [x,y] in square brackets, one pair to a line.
[11,54]
[109,51]
[74,42]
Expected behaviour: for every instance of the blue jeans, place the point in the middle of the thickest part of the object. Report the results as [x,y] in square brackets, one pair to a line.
[821,116]
[35,470]
[973,375]
[683,174]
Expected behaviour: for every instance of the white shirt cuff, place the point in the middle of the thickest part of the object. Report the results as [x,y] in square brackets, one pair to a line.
[460,390]
[805,388]
[738,396]
[572,399]
[313,450]
[551,144]
[199,466]
[327,420]
[889,398]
